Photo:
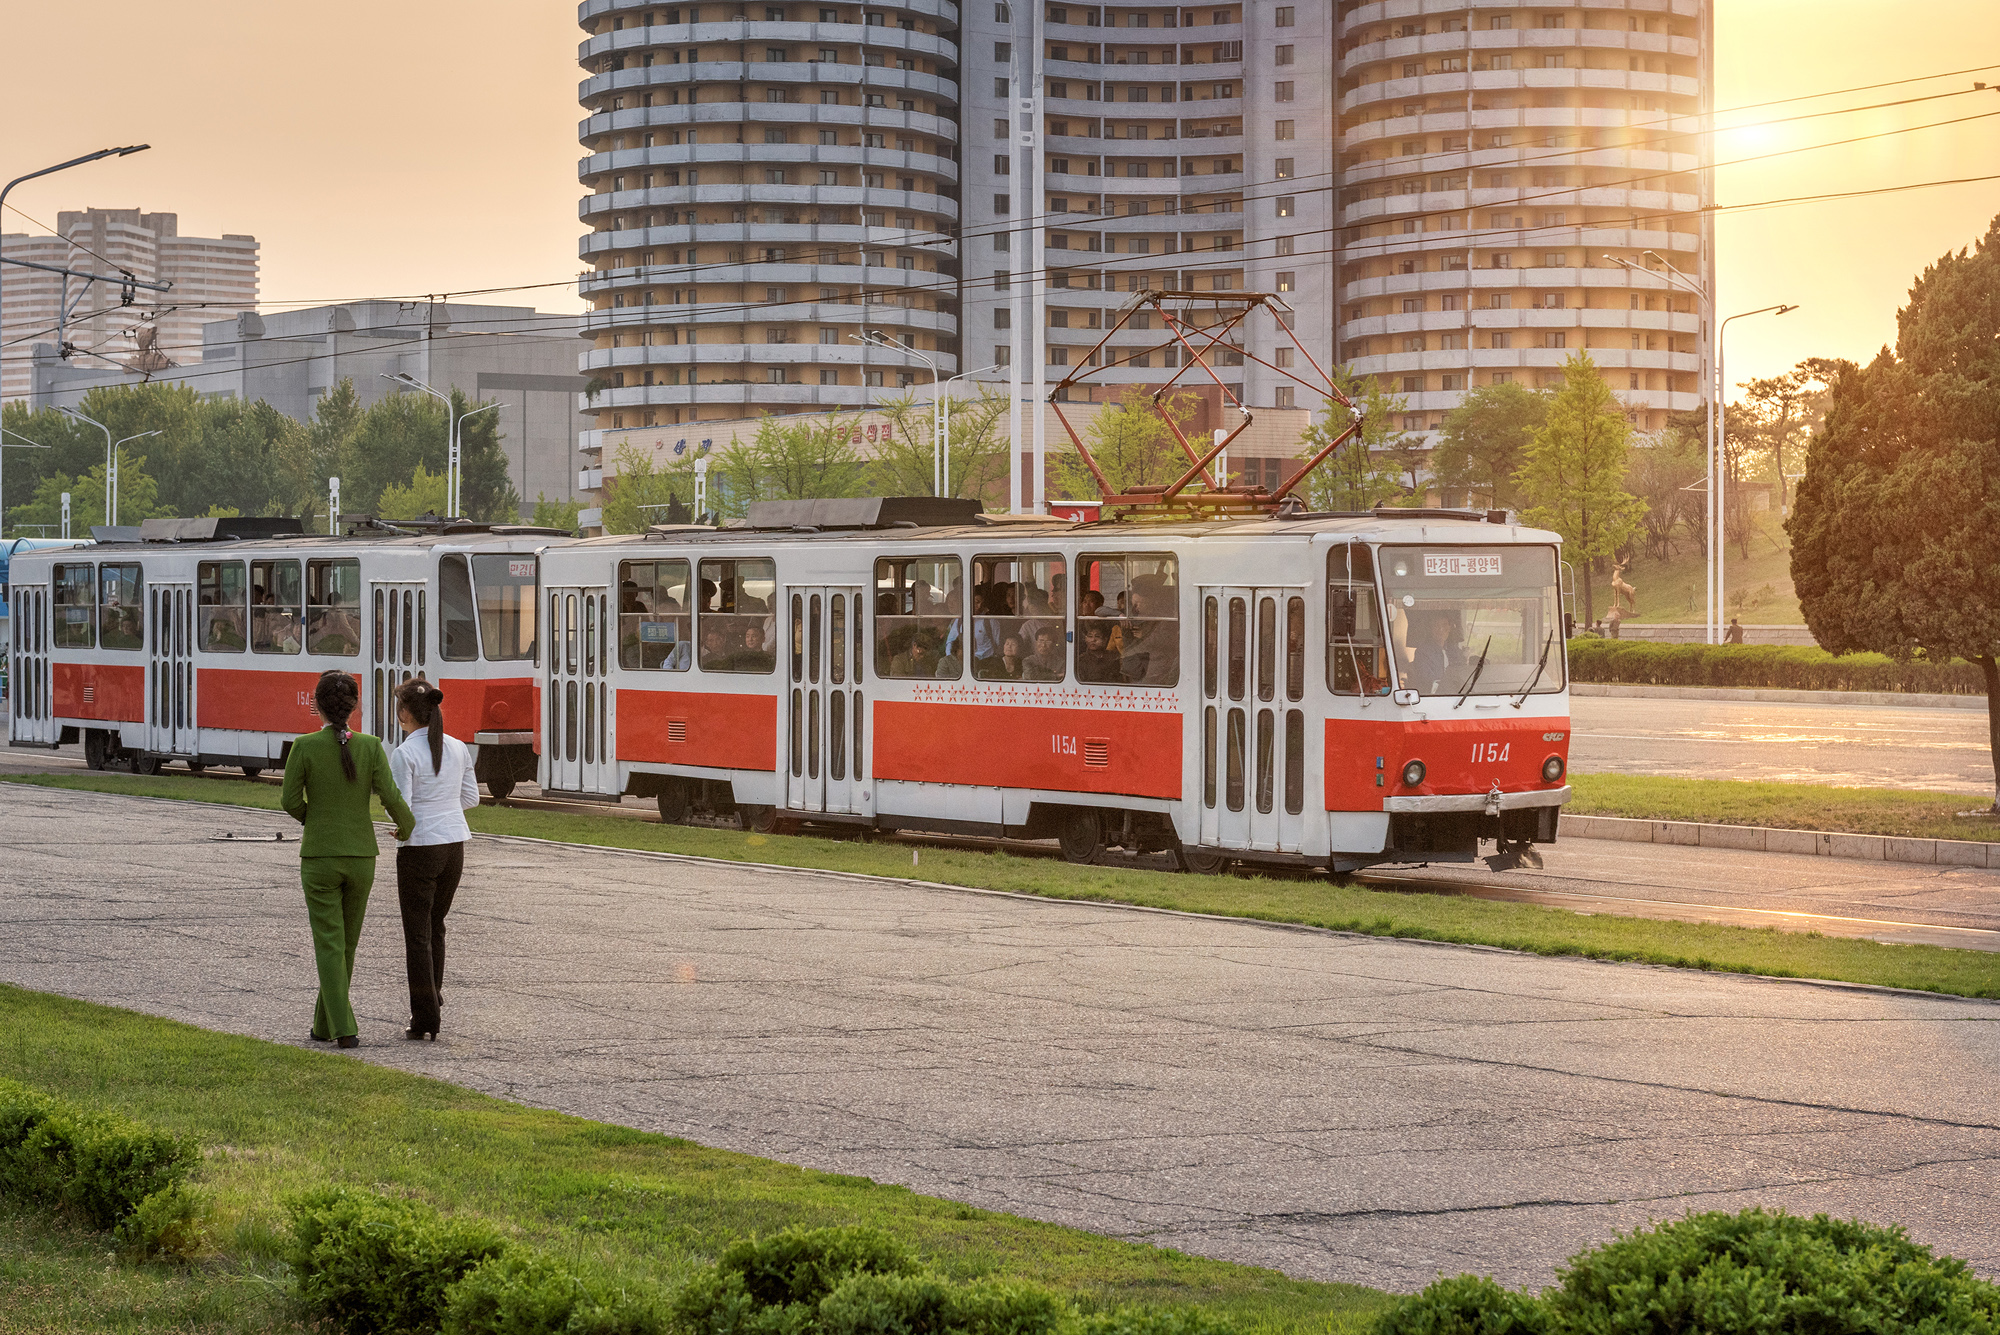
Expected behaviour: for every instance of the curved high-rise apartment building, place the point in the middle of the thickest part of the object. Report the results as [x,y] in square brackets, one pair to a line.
[764,181]
[1492,155]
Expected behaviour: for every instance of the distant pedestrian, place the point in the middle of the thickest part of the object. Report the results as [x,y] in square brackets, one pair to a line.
[436,771]
[1734,635]
[329,776]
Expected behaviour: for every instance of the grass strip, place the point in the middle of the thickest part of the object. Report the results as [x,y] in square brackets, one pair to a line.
[1785,806]
[626,1204]
[1314,901]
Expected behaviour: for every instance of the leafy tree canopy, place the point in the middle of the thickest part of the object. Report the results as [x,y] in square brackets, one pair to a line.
[1485,439]
[1363,473]
[1573,478]
[1131,443]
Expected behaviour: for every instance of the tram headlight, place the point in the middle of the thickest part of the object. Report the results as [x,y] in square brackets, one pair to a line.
[1413,773]
[1552,769]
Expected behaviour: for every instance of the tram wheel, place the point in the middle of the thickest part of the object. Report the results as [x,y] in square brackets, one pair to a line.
[675,802]
[143,763]
[1082,835]
[252,771]
[757,819]
[500,788]
[1202,861]
[96,748]
[196,767]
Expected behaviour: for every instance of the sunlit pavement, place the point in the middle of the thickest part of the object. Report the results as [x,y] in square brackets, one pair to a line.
[1338,1107]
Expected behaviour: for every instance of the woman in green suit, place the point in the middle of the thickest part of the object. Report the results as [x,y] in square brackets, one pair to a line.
[329,776]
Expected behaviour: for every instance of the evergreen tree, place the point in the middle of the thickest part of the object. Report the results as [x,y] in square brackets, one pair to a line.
[1896,535]
[1573,478]
[1361,474]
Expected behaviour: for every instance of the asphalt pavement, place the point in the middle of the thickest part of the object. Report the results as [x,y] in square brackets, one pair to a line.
[1866,746]
[1338,1107]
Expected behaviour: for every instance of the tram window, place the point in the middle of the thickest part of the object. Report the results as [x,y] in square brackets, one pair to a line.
[1357,654]
[1295,648]
[333,590]
[1474,618]
[1295,761]
[1018,599]
[813,645]
[737,626]
[1239,650]
[798,637]
[223,606]
[121,601]
[458,625]
[836,642]
[1210,647]
[655,620]
[1233,786]
[275,607]
[76,606]
[506,585]
[1267,648]
[1267,759]
[1208,758]
[919,618]
[1135,600]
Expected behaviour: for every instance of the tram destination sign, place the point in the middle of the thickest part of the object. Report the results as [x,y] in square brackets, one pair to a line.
[1440,563]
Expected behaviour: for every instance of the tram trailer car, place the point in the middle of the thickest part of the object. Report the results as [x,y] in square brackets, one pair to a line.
[1331,691]
[201,642]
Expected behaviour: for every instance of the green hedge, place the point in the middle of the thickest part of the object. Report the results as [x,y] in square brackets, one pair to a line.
[1644,663]
[381,1265]
[103,1168]
[1721,1274]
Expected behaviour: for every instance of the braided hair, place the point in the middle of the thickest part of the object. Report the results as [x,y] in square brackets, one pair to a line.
[426,705]
[335,696]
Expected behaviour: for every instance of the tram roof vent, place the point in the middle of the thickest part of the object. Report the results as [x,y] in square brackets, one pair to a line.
[864,512]
[219,529]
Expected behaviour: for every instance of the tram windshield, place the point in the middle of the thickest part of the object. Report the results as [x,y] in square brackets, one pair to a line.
[1474,619]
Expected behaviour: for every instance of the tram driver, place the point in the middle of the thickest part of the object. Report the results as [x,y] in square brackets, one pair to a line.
[1437,663]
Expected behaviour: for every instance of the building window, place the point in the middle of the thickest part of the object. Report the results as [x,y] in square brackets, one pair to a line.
[1283,17]
[1003,203]
[1451,382]
[1283,56]
[1282,92]
[1283,130]
[1283,396]
[1287,206]
[1503,340]
[1287,281]
[1003,165]
[1284,169]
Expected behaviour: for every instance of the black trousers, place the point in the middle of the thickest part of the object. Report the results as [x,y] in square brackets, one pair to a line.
[426,880]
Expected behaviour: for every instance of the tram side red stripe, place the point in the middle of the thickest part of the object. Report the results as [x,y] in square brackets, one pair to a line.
[258,700]
[720,730]
[1029,747]
[108,692]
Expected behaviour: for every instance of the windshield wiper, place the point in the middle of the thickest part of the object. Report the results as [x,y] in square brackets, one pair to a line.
[1477,668]
[1547,645]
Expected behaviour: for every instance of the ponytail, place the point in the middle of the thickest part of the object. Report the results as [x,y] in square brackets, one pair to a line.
[335,696]
[426,705]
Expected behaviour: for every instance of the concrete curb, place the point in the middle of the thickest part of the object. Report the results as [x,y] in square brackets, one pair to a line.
[1762,839]
[1901,699]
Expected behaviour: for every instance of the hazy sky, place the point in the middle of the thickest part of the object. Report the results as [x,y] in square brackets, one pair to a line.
[380,149]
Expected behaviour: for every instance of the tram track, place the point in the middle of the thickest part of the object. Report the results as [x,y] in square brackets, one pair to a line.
[1975,931]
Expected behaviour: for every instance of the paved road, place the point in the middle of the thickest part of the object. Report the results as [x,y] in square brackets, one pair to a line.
[1853,745]
[1338,1107]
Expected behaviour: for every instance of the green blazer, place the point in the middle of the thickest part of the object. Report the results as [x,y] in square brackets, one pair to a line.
[334,811]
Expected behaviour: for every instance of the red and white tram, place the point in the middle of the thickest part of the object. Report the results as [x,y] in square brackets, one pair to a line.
[200,643]
[1281,688]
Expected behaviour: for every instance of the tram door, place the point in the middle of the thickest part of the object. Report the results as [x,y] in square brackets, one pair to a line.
[824,709]
[170,726]
[30,706]
[576,738]
[397,626]
[1254,737]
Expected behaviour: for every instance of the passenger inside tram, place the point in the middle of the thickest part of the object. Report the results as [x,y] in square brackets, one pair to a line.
[920,659]
[1095,662]
[714,650]
[334,629]
[224,629]
[1046,663]
[753,657]
[1151,649]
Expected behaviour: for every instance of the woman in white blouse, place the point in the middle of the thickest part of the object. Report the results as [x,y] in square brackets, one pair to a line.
[434,773]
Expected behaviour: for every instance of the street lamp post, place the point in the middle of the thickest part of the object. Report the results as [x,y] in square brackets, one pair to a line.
[1719,497]
[117,452]
[458,458]
[110,464]
[453,421]
[876,339]
[949,382]
[50,171]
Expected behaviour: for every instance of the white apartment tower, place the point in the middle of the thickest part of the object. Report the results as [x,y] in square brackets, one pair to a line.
[1431,186]
[214,278]
[1496,161]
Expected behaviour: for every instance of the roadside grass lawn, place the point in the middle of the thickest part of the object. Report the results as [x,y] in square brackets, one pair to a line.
[1789,806]
[1314,900]
[639,1209]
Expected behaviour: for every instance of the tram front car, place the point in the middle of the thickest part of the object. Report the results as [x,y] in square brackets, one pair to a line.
[1449,722]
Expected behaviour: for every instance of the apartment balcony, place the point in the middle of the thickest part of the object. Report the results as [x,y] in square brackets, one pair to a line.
[1488,280]
[1386,10]
[672,198]
[674,37]
[1480,42]
[594,168]
[751,396]
[943,11]
[728,118]
[799,272]
[727,76]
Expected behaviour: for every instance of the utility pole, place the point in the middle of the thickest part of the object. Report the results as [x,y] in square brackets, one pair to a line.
[65,516]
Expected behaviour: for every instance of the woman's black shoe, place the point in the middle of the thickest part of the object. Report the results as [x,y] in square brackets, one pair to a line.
[420,1035]
[349,1040]
[317,1039]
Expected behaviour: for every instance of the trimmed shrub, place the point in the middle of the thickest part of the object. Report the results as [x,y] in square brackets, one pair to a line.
[774,1285]
[98,1165]
[172,1222]
[876,1304]
[1768,666]
[523,1293]
[379,1265]
[1753,1273]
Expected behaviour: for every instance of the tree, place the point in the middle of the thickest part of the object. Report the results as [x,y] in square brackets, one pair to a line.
[902,464]
[425,494]
[638,484]
[1131,443]
[138,498]
[486,492]
[790,458]
[1485,439]
[1896,534]
[1574,474]
[1665,472]
[1782,411]
[555,514]
[1362,474]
